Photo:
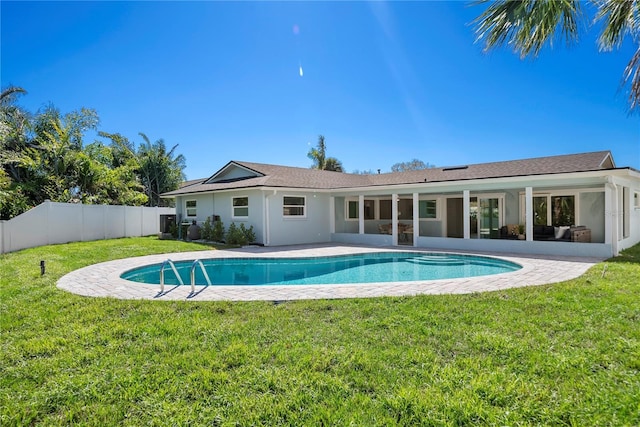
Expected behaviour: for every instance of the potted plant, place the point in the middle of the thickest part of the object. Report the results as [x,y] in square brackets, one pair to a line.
[521,235]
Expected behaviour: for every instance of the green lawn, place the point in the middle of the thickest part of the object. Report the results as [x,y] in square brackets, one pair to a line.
[563,354]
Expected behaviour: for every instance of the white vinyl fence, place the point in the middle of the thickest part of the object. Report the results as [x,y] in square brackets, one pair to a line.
[51,223]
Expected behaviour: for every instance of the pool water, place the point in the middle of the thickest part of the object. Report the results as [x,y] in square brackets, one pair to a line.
[343,269]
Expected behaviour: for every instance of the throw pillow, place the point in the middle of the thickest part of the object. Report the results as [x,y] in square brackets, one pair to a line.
[559,231]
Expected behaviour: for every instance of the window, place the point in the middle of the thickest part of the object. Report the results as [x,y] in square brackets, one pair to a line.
[191,207]
[551,209]
[562,211]
[352,209]
[405,209]
[385,209]
[540,210]
[427,209]
[636,200]
[369,209]
[240,207]
[293,206]
[354,213]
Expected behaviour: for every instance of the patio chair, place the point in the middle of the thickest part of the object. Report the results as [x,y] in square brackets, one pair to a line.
[385,228]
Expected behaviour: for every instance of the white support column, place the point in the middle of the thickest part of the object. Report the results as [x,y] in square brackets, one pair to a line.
[608,213]
[626,212]
[615,213]
[394,219]
[528,213]
[466,213]
[611,216]
[416,218]
[332,215]
[360,214]
[265,221]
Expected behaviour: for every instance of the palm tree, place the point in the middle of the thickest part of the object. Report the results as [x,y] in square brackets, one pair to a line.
[320,159]
[318,154]
[527,25]
[333,164]
[13,129]
[159,170]
[7,94]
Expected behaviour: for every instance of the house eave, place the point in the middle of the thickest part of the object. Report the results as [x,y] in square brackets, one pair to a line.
[504,181]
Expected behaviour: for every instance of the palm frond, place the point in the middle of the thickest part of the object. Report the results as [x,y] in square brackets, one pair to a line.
[10,91]
[621,17]
[527,25]
[632,74]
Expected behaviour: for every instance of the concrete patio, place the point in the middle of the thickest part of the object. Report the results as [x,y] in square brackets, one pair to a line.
[103,280]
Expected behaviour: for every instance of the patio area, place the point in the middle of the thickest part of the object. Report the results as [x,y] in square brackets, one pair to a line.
[103,280]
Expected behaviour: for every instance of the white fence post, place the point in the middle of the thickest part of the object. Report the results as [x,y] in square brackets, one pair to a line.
[82,223]
[2,236]
[47,204]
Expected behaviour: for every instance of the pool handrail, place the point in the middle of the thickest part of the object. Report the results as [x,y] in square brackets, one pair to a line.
[193,274]
[175,271]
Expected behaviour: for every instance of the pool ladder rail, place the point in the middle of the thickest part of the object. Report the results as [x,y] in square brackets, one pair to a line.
[192,274]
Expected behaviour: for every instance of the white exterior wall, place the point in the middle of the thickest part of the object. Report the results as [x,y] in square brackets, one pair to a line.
[205,207]
[52,223]
[591,210]
[224,208]
[631,211]
[210,204]
[313,228]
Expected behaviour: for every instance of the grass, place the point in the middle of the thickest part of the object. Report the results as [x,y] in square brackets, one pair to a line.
[562,354]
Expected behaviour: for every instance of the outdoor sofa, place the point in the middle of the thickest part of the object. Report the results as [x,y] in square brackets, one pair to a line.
[579,233]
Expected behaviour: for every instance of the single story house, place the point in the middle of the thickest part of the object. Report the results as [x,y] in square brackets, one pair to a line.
[576,204]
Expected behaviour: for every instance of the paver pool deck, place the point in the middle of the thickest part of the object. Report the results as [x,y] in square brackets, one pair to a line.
[103,280]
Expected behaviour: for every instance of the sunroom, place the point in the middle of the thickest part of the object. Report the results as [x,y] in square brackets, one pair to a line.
[541,219]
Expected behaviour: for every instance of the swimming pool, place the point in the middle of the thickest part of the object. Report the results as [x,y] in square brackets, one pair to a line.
[342,269]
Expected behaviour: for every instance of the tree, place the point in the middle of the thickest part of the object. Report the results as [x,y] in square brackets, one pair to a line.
[333,164]
[14,123]
[159,170]
[44,156]
[102,179]
[318,154]
[412,165]
[364,172]
[49,168]
[320,159]
[527,25]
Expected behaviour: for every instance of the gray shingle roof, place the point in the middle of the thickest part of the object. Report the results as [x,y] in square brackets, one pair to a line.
[294,177]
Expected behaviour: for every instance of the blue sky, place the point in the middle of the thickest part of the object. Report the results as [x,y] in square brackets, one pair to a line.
[384,82]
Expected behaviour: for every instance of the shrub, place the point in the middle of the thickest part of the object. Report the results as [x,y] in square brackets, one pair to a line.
[249,234]
[184,230]
[207,230]
[235,236]
[217,234]
[173,229]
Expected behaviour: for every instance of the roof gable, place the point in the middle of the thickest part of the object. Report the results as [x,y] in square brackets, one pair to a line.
[232,172]
[607,162]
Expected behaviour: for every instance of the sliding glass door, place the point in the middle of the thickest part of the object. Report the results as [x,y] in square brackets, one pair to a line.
[489,218]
